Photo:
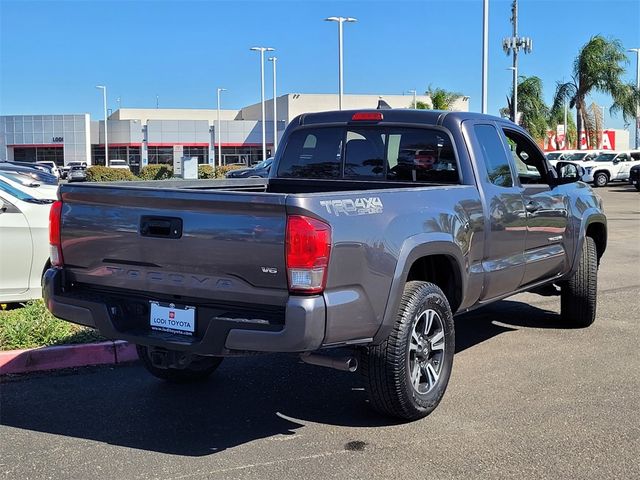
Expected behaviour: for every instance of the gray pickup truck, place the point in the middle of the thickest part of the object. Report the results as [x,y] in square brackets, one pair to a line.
[373,229]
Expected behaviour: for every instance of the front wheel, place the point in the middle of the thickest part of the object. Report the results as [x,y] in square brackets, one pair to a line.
[600,179]
[175,366]
[408,373]
[578,295]
[637,185]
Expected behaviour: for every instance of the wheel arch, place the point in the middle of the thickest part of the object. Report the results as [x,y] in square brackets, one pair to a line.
[435,258]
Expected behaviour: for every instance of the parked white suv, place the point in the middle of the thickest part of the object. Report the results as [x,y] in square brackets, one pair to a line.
[609,167]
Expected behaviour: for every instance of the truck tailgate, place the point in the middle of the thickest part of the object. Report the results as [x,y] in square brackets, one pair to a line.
[219,246]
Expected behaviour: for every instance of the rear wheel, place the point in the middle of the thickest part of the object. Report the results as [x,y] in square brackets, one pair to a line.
[600,179]
[176,366]
[637,185]
[578,295]
[408,373]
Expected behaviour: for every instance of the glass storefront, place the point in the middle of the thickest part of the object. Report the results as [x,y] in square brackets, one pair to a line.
[246,155]
[128,153]
[160,155]
[201,152]
[39,154]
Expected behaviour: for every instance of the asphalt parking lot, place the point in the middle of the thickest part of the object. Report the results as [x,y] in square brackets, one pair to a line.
[528,398]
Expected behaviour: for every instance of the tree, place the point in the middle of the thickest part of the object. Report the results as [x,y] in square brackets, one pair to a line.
[441,99]
[531,107]
[599,67]
[556,117]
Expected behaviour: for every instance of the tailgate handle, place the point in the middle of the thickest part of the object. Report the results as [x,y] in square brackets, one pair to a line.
[160,227]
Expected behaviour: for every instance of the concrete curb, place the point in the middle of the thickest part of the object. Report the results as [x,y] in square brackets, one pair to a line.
[66,356]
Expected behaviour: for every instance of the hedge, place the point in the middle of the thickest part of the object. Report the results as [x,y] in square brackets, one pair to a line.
[156,172]
[152,172]
[99,173]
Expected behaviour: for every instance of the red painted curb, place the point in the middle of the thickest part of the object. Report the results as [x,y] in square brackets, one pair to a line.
[65,356]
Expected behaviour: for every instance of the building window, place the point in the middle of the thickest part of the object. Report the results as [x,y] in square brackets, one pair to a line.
[244,155]
[160,155]
[39,154]
[201,152]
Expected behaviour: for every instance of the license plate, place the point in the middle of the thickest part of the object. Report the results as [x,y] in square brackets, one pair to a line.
[168,317]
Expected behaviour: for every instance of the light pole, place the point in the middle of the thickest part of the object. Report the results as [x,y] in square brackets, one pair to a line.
[513,45]
[485,52]
[637,50]
[264,131]
[275,109]
[106,141]
[514,99]
[340,21]
[566,128]
[415,103]
[217,137]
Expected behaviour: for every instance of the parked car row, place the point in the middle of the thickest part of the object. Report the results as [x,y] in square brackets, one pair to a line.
[600,167]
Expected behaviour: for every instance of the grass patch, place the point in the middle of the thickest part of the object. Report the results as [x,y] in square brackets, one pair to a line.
[33,326]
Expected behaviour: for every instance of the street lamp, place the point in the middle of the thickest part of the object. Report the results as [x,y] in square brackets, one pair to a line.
[485,53]
[275,110]
[340,21]
[637,50]
[264,132]
[415,103]
[106,141]
[217,138]
[513,45]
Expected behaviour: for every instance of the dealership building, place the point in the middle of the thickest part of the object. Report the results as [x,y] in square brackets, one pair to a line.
[144,136]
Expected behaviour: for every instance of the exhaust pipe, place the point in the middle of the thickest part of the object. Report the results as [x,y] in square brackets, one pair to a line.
[345,364]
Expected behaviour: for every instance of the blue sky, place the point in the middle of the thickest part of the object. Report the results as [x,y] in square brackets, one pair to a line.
[53,53]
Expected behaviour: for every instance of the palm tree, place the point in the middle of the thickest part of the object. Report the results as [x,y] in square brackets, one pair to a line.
[441,99]
[557,118]
[533,111]
[599,66]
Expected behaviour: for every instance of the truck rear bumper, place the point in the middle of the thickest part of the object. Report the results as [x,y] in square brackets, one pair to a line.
[303,328]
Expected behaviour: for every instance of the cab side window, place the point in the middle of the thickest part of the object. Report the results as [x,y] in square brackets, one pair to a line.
[495,158]
[529,161]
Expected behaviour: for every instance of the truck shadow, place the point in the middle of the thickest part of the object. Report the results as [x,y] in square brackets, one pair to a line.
[247,399]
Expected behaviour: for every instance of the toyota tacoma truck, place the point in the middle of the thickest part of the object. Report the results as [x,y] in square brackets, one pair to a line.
[352,241]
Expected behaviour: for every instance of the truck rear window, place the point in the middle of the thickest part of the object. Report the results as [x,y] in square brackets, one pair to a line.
[370,153]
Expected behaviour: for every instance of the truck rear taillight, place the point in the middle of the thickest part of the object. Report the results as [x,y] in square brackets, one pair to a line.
[55,215]
[308,248]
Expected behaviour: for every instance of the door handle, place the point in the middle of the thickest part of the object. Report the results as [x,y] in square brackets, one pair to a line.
[532,207]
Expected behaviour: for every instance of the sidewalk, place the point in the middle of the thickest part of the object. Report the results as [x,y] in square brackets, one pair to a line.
[66,356]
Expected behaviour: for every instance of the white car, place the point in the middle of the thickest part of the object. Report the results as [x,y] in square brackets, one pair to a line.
[609,167]
[558,155]
[29,185]
[118,164]
[54,168]
[24,240]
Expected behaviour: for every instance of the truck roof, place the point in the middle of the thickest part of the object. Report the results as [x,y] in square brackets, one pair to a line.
[396,115]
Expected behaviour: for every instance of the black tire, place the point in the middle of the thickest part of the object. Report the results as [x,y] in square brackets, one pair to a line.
[600,179]
[637,185]
[388,366]
[578,295]
[198,368]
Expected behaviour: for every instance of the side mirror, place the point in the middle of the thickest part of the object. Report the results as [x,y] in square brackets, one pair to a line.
[568,172]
